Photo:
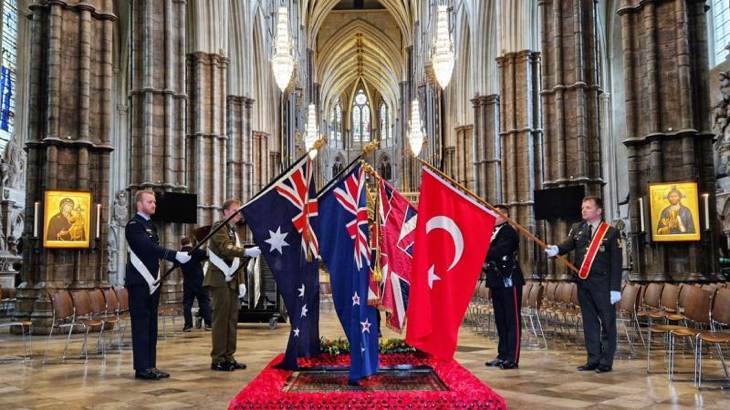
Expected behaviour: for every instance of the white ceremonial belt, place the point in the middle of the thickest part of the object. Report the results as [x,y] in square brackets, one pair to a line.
[228,271]
[142,269]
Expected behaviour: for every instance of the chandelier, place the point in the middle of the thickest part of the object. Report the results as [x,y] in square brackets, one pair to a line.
[415,135]
[312,135]
[283,62]
[443,56]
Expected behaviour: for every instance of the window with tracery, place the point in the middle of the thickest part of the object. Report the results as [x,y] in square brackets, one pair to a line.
[336,123]
[361,118]
[8,69]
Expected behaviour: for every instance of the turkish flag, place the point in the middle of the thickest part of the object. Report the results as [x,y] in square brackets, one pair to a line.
[451,241]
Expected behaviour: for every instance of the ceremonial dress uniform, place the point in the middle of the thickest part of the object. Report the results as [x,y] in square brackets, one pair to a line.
[193,287]
[227,259]
[504,278]
[143,267]
[604,276]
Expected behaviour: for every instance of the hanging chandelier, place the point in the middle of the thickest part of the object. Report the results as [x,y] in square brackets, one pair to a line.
[312,134]
[283,62]
[415,135]
[443,56]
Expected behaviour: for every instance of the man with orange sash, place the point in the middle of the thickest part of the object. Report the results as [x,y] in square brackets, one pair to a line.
[598,254]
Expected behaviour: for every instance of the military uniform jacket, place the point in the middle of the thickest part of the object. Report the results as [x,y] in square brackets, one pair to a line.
[223,244]
[193,271]
[143,240]
[501,262]
[605,272]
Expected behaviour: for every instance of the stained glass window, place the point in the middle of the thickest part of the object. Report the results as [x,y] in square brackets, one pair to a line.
[361,118]
[7,76]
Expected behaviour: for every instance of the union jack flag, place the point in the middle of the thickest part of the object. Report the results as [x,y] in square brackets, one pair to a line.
[349,198]
[295,189]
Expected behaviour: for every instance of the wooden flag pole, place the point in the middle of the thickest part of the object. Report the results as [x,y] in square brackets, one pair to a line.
[493,209]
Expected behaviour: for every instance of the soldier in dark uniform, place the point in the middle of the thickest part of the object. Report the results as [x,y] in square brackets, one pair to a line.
[598,292]
[504,278]
[144,296]
[226,259]
[193,285]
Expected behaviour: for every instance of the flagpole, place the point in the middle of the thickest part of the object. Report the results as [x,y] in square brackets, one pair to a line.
[365,150]
[317,145]
[512,222]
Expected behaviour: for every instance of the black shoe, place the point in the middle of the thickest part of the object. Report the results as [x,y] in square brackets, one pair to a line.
[149,374]
[237,366]
[602,368]
[160,374]
[188,329]
[208,328]
[507,365]
[222,367]
[494,363]
[587,367]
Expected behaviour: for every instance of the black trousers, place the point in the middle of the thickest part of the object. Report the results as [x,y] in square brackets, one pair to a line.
[599,324]
[507,304]
[192,291]
[143,312]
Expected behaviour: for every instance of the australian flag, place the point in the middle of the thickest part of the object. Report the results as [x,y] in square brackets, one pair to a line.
[346,252]
[284,221]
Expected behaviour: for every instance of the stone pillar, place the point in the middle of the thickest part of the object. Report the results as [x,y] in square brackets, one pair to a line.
[570,103]
[206,136]
[239,162]
[68,145]
[487,151]
[463,157]
[521,143]
[157,104]
[261,176]
[668,139]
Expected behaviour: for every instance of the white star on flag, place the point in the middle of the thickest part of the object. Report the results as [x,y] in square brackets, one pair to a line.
[304,311]
[365,326]
[296,332]
[276,240]
[301,291]
[355,300]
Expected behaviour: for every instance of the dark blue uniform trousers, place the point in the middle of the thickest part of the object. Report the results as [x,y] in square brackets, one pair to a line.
[143,310]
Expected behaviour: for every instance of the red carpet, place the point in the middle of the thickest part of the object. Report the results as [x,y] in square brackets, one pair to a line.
[463,390]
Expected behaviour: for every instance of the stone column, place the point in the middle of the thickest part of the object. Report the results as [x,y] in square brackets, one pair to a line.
[464,158]
[157,104]
[570,103]
[487,151]
[521,143]
[239,163]
[68,145]
[206,136]
[668,138]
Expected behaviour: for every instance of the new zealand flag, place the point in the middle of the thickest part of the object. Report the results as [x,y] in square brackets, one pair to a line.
[345,251]
[284,222]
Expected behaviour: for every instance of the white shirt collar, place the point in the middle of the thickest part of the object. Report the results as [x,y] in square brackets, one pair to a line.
[147,218]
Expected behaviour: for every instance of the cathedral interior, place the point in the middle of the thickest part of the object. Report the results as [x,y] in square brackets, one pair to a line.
[217,97]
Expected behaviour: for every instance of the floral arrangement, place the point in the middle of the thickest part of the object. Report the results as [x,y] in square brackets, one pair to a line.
[342,346]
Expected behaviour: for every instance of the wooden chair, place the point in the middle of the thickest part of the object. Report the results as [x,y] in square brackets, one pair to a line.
[719,336]
[23,324]
[627,313]
[123,311]
[89,313]
[531,313]
[64,316]
[697,311]
[112,315]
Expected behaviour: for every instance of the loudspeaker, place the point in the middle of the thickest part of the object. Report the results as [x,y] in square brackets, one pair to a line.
[559,203]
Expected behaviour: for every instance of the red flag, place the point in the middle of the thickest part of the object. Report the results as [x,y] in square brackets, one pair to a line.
[397,231]
[452,238]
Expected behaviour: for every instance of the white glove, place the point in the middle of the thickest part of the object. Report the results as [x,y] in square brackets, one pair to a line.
[552,250]
[241,291]
[182,257]
[252,252]
[615,297]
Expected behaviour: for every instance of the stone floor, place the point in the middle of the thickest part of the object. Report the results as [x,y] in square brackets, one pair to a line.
[546,378]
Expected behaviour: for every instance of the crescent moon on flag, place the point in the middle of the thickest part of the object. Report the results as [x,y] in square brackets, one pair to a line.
[448,224]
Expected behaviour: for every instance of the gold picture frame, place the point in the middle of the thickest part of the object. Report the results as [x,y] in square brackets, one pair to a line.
[675,212]
[66,219]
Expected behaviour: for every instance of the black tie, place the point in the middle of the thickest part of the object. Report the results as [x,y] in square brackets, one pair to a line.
[590,231]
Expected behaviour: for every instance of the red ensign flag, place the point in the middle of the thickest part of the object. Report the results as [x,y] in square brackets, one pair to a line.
[452,238]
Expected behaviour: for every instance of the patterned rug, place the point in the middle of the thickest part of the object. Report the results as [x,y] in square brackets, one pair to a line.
[410,380]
